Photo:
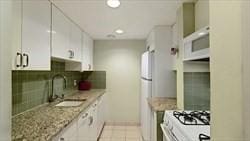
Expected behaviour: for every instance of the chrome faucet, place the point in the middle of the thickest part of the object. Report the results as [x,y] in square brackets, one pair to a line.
[53,96]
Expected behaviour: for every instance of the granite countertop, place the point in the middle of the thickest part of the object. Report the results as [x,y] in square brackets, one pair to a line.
[160,104]
[46,122]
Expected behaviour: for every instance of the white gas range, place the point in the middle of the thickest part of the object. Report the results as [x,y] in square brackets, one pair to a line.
[186,126]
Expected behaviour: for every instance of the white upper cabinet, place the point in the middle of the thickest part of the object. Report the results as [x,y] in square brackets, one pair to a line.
[76,42]
[66,37]
[87,52]
[61,28]
[34,52]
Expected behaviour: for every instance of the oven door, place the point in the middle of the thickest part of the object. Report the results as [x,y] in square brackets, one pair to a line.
[167,134]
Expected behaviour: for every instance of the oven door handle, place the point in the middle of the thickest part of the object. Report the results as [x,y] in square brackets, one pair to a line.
[173,137]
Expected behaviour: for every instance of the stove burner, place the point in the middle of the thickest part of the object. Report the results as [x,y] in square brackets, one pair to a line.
[203,116]
[203,137]
[185,118]
[192,118]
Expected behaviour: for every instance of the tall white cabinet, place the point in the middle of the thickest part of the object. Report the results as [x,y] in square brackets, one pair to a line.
[34,51]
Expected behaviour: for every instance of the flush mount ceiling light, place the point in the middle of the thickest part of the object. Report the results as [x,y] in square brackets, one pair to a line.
[113,3]
[119,31]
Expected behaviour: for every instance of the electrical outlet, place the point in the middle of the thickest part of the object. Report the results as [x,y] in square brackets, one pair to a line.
[75,82]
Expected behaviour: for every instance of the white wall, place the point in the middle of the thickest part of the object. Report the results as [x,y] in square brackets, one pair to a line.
[6,9]
[121,60]
[201,14]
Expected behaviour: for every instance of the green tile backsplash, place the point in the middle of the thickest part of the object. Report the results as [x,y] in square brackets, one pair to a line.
[32,88]
[197,91]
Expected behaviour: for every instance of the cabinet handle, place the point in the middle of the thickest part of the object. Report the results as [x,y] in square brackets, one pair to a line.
[91,119]
[20,61]
[27,60]
[70,54]
[62,139]
[89,67]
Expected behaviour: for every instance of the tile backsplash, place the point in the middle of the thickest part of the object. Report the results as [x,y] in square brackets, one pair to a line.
[197,91]
[32,88]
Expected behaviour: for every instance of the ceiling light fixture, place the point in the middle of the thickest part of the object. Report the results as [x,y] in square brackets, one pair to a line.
[119,31]
[113,3]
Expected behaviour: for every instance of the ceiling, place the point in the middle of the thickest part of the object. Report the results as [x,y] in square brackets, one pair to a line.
[135,17]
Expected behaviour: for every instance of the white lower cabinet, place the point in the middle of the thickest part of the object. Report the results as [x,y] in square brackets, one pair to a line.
[93,123]
[83,126]
[88,126]
[70,133]
[101,114]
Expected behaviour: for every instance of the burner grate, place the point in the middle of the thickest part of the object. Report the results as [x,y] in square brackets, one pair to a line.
[192,118]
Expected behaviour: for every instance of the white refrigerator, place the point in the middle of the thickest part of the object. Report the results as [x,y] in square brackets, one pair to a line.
[146,92]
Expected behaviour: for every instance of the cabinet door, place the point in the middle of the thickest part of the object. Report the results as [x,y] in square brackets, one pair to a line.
[76,42]
[36,35]
[61,28]
[93,123]
[100,114]
[87,53]
[70,133]
[17,35]
[83,132]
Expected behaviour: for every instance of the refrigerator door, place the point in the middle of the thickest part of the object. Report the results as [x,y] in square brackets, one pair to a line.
[146,65]
[146,92]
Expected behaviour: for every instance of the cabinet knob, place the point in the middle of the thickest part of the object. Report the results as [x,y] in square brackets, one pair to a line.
[62,139]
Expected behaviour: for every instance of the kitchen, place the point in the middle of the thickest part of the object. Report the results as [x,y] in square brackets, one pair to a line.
[90,70]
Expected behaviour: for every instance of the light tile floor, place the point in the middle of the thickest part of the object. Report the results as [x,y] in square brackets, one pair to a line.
[121,133]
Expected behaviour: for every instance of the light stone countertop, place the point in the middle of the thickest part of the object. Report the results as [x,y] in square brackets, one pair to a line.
[160,104]
[46,122]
